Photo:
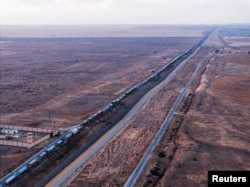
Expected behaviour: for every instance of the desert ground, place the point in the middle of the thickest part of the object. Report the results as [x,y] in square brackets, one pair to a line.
[213,134]
[57,82]
[209,132]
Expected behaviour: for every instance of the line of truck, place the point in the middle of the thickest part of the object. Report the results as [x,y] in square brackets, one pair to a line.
[56,144]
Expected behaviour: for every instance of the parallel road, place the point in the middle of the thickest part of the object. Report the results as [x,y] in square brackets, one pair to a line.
[73,166]
[69,170]
[168,69]
[134,176]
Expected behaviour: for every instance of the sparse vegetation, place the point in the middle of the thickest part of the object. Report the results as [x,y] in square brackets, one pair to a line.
[155,171]
[162,154]
[183,143]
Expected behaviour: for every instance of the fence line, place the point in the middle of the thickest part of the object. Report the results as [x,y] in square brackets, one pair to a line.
[23,144]
[39,141]
[31,129]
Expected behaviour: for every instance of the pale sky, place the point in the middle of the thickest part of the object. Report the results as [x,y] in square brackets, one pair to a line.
[79,12]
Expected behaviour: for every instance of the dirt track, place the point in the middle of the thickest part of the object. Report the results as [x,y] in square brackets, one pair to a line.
[118,158]
[54,83]
[214,133]
[211,132]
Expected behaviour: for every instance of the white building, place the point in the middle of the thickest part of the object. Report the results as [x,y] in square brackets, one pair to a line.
[10,131]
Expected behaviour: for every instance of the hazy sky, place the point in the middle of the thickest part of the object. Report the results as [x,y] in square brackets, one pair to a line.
[75,12]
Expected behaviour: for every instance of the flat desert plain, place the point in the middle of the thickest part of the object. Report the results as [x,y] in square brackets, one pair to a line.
[57,82]
[55,77]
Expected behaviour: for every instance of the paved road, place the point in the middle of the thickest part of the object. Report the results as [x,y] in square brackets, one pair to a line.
[110,134]
[134,176]
[69,170]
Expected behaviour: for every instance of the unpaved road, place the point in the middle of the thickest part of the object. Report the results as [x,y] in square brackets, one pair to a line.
[87,168]
[177,151]
[53,83]
[69,170]
[213,133]
[134,176]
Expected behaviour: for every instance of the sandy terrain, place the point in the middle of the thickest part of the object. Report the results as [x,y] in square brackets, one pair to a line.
[116,161]
[79,31]
[39,87]
[57,82]
[211,131]
[214,133]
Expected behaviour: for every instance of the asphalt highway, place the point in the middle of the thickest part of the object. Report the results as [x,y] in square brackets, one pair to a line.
[134,176]
[67,172]
[70,169]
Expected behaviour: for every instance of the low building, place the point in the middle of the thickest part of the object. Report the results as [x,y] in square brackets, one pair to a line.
[10,131]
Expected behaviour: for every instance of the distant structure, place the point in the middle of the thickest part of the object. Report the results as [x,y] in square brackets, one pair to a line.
[29,137]
[10,131]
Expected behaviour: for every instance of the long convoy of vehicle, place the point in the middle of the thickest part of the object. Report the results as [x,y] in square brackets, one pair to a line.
[34,160]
